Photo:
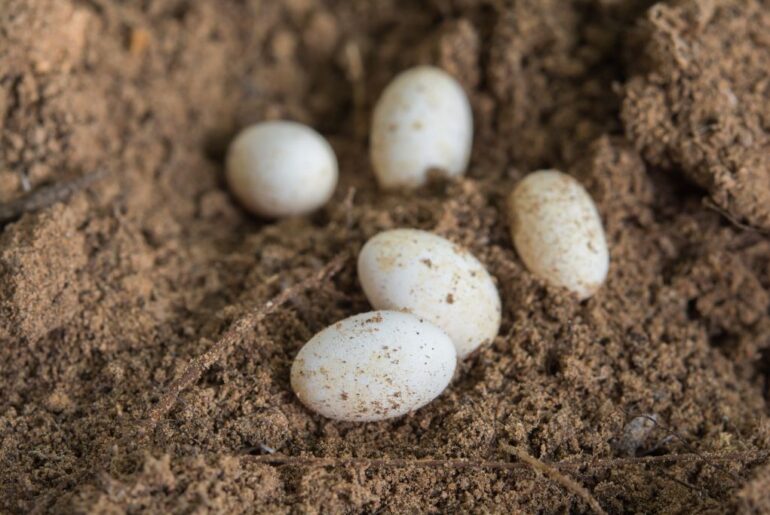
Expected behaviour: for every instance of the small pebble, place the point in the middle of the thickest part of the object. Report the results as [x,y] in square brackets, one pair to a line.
[636,434]
[373,366]
[558,233]
[425,274]
[422,121]
[280,168]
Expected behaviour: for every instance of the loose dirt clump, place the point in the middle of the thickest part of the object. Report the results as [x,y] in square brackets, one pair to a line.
[651,396]
[698,100]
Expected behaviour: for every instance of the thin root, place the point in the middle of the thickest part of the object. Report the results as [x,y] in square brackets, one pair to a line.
[726,457]
[710,204]
[198,366]
[553,474]
[689,447]
[47,195]
[748,457]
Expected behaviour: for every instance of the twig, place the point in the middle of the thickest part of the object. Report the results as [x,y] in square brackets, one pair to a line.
[605,463]
[553,474]
[462,464]
[710,204]
[688,446]
[347,206]
[47,195]
[198,366]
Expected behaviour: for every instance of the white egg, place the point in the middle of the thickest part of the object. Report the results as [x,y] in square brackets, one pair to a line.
[373,366]
[558,233]
[281,168]
[425,274]
[422,121]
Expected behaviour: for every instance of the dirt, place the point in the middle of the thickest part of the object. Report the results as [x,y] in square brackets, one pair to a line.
[660,109]
[698,100]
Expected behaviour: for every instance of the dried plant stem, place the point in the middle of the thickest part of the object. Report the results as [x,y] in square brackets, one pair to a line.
[198,366]
[551,470]
[687,446]
[553,474]
[710,204]
[47,195]
[594,464]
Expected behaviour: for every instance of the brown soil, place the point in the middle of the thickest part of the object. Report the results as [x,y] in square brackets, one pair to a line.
[699,100]
[105,298]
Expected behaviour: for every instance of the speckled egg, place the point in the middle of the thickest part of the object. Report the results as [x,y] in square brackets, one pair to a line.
[425,274]
[422,122]
[373,366]
[558,233]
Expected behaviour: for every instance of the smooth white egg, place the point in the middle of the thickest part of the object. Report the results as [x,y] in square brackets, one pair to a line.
[558,232]
[281,168]
[423,121]
[425,274]
[373,366]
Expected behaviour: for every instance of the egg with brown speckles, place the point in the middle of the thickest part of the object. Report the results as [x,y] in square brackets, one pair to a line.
[422,273]
[422,122]
[373,366]
[558,233]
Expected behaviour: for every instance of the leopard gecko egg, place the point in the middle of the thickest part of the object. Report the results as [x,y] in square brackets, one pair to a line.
[281,168]
[558,233]
[425,274]
[422,121]
[373,366]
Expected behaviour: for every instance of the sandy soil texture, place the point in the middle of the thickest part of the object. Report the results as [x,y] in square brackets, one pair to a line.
[652,395]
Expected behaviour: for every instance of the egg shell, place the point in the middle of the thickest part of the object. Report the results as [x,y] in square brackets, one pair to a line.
[373,366]
[558,232]
[422,121]
[281,168]
[425,274]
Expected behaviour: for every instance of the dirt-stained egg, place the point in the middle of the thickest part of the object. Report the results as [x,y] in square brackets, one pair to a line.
[373,366]
[422,122]
[425,274]
[281,168]
[558,232]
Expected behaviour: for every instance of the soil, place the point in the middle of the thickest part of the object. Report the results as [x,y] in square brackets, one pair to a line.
[105,298]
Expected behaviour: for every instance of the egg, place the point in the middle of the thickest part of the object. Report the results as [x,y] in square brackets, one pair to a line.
[281,168]
[422,121]
[373,366]
[558,233]
[425,274]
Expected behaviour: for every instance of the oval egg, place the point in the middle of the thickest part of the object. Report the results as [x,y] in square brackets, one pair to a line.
[558,232]
[281,168]
[373,366]
[422,121]
[425,274]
